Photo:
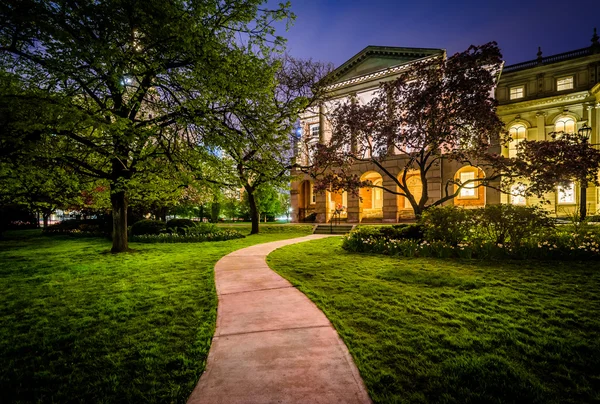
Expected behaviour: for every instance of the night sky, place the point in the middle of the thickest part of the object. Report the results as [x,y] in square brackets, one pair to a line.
[334,31]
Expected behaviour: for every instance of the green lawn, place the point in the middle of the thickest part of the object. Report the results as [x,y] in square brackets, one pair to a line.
[450,331]
[80,325]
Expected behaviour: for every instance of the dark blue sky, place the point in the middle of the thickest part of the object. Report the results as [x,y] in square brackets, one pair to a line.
[333,31]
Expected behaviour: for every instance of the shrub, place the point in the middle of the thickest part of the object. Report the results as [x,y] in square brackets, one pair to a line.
[402,231]
[201,228]
[447,223]
[502,224]
[310,218]
[85,228]
[178,225]
[144,227]
[219,235]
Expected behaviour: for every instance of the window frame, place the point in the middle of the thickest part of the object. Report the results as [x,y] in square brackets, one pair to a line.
[572,77]
[472,187]
[558,192]
[510,92]
[514,197]
[517,139]
[562,119]
[313,196]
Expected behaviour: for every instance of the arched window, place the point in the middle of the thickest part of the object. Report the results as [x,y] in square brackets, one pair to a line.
[565,124]
[518,133]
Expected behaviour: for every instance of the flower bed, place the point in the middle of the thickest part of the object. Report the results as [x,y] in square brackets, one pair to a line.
[489,233]
[220,235]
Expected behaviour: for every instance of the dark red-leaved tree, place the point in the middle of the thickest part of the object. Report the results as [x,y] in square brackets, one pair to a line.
[546,164]
[435,109]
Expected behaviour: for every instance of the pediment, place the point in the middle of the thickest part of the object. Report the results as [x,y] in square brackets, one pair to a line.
[376,58]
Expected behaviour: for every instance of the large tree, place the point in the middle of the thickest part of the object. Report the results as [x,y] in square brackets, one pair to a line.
[118,77]
[254,134]
[435,109]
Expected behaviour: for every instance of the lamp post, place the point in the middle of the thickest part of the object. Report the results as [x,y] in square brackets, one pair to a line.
[585,132]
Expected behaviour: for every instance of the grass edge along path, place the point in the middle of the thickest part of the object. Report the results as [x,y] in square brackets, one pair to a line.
[457,331]
[80,325]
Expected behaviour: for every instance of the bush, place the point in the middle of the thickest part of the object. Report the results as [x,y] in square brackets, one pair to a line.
[177,225]
[86,227]
[509,224]
[310,218]
[494,232]
[189,237]
[144,227]
[402,231]
[201,228]
[447,223]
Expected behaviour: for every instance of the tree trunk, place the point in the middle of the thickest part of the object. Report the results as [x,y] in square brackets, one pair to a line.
[46,217]
[119,213]
[583,201]
[254,216]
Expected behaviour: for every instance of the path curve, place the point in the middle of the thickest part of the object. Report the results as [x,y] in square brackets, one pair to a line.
[272,344]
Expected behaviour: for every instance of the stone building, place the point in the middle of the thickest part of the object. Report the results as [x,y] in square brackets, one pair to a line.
[552,94]
[559,92]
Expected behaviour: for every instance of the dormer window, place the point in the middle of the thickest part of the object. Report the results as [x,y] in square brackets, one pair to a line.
[564,83]
[517,92]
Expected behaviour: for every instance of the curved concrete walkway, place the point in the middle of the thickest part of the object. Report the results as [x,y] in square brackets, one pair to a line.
[272,344]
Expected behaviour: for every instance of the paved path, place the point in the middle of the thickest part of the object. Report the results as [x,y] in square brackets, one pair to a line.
[272,344]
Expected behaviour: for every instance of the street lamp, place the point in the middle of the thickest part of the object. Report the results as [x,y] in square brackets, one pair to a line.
[585,132]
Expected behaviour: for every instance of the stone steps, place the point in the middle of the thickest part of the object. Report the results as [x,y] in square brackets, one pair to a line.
[335,229]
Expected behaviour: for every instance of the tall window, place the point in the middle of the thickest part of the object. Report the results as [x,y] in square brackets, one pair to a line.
[517,196]
[313,196]
[377,195]
[313,139]
[518,134]
[314,132]
[415,187]
[564,83]
[470,190]
[566,194]
[517,92]
[565,124]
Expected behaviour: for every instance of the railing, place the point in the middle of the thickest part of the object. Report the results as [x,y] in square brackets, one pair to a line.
[336,217]
[548,59]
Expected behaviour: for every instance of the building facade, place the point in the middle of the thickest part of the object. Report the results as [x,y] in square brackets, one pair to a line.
[560,92]
[552,94]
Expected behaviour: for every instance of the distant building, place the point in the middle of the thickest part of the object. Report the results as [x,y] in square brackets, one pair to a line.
[560,92]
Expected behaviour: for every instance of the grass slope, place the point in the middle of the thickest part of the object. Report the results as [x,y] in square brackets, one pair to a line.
[80,325]
[450,331]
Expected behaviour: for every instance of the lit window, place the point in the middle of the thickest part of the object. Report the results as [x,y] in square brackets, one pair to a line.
[517,92]
[416,189]
[518,134]
[566,125]
[468,191]
[517,194]
[377,202]
[566,194]
[564,83]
